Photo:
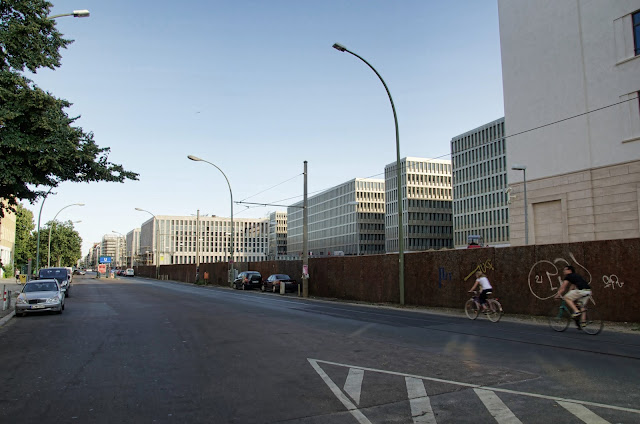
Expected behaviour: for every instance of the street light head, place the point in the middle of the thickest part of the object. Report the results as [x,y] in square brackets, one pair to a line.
[516,167]
[141,210]
[79,204]
[339,47]
[81,13]
[196,158]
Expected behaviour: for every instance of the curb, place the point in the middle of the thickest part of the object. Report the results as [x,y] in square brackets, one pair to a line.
[4,320]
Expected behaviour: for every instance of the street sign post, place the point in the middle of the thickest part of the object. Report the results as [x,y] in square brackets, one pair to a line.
[105,259]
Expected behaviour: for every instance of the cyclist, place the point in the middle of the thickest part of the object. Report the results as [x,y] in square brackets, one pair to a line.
[483,281]
[580,289]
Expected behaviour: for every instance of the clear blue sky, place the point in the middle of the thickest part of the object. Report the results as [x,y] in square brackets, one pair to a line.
[255,87]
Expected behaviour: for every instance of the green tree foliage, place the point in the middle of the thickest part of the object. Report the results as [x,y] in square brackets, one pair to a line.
[40,145]
[66,244]
[25,243]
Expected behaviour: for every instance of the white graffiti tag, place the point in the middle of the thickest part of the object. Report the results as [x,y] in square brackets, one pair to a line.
[545,277]
[612,281]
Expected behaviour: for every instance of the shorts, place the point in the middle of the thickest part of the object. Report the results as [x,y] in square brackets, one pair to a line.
[574,295]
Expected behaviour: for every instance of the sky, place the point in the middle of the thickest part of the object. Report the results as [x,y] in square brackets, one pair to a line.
[256,88]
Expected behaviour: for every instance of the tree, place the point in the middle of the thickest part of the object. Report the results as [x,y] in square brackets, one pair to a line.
[25,243]
[39,144]
[66,244]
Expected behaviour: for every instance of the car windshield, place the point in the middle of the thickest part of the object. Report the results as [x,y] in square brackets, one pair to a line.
[57,273]
[282,277]
[40,286]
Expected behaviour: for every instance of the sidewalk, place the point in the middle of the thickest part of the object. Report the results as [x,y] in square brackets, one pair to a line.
[9,285]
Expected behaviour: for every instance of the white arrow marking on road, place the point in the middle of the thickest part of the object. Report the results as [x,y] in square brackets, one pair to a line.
[421,411]
[496,407]
[583,413]
[353,384]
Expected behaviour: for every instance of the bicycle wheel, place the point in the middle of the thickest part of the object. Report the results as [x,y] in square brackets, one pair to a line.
[559,318]
[593,324]
[471,309]
[494,313]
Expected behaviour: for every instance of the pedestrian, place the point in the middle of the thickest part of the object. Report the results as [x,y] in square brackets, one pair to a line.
[17,275]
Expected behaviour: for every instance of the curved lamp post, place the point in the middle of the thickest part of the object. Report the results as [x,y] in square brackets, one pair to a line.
[38,242]
[197,159]
[342,48]
[76,14]
[157,231]
[51,228]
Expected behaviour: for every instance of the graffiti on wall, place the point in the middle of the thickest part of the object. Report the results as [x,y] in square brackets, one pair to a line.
[612,281]
[443,276]
[545,277]
[482,267]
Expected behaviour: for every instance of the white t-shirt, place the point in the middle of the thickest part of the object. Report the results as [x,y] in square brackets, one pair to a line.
[484,282]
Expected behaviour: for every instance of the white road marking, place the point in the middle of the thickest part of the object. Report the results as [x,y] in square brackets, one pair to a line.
[477,386]
[583,413]
[496,407]
[353,384]
[336,391]
[421,411]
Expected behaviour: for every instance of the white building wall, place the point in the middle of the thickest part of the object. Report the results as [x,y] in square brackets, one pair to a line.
[561,60]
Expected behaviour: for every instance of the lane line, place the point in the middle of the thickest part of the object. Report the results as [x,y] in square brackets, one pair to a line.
[583,413]
[496,407]
[353,385]
[478,386]
[336,391]
[421,411]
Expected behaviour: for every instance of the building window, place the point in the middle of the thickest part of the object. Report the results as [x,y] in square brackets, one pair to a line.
[636,31]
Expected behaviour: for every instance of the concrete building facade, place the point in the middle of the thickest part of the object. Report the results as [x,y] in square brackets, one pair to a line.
[113,245]
[427,204]
[480,190]
[346,219]
[571,80]
[177,237]
[7,238]
[277,235]
[132,242]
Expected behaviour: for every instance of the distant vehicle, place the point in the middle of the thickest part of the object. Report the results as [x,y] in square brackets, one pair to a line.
[273,283]
[40,295]
[62,275]
[129,272]
[89,270]
[78,272]
[474,241]
[248,280]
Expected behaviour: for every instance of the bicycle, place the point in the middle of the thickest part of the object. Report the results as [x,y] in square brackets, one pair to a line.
[589,321]
[493,311]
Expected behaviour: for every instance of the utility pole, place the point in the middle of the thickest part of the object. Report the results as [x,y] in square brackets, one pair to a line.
[197,245]
[305,239]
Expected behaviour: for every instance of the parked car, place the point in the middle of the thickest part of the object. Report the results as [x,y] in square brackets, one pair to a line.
[62,275]
[129,272]
[40,295]
[78,272]
[273,283]
[248,280]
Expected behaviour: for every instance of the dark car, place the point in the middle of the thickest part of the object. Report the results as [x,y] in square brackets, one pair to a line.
[61,275]
[248,280]
[273,283]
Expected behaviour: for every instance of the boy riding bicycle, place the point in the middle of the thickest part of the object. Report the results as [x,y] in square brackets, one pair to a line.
[580,290]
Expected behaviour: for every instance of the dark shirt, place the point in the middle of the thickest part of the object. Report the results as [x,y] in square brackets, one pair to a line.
[578,281]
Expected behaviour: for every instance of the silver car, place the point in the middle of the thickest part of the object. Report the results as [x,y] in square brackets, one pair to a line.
[40,295]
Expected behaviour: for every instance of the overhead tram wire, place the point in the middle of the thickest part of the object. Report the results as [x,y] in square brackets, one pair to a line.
[279,184]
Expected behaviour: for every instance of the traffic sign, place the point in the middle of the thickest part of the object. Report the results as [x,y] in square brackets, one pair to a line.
[105,259]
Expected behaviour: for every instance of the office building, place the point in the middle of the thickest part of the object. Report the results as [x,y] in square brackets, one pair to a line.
[113,245]
[571,76]
[480,191]
[427,204]
[347,219]
[277,235]
[177,241]
[7,238]
[132,243]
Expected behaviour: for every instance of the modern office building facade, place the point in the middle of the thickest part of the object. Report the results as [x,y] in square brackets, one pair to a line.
[132,242]
[347,219]
[277,235]
[571,80]
[426,202]
[178,242]
[113,245]
[480,195]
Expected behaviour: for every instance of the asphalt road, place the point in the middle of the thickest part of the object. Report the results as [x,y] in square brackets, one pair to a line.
[137,351]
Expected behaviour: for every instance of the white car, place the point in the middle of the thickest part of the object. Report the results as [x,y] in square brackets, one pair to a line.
[129,272]
[40,295]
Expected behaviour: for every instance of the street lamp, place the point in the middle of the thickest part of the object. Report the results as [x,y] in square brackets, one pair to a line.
[523,168]
[118,247]
[157,231]
[38,242]
[342,48]
[197,159]
[51,227]
[76,14]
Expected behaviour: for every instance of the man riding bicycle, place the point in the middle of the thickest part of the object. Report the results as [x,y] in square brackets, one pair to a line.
[581,289]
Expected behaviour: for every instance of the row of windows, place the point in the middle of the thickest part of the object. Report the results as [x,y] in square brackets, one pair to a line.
[470,188]
[480,203]
[479,137]
[490,235]
[492,150]
[489,218]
